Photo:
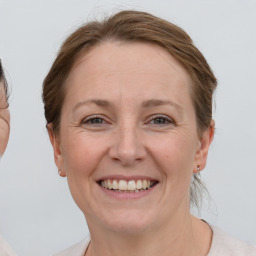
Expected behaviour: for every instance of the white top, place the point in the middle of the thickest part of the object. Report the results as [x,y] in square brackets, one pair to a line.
[5,249]
[222,245]
[226,245]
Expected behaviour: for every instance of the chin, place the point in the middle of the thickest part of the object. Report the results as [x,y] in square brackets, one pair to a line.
[127,222]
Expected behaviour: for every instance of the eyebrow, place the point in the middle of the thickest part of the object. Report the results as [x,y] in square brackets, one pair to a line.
[98,102]
[156,103]
[145,104]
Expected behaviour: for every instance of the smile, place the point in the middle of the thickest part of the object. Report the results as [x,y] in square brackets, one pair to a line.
[127,186]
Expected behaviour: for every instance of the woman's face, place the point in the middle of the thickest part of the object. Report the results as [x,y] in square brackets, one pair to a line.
[128,123]
[4,120]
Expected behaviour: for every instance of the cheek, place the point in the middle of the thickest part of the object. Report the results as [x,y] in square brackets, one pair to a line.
[175,156]
[81,154]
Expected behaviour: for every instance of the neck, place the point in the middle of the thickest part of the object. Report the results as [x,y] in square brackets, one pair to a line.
[185,236]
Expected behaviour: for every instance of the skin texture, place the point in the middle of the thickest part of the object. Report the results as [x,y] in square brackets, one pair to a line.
[128,112]
[4,121]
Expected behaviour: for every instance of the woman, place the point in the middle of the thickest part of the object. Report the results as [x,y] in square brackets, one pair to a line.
[128,104]
[5,249]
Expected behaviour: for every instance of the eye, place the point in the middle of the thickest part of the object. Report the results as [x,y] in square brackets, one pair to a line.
[161,120]
[94,120]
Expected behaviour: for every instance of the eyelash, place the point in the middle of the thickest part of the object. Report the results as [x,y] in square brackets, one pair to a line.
[91,118]
[166,119]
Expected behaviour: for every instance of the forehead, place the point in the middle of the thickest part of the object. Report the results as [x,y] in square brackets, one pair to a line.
[131,67]
[126,57]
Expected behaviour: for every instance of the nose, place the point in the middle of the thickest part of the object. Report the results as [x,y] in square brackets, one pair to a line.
[127,147]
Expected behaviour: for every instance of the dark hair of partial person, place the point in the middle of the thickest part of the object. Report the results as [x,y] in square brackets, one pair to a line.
[128,27]
[3,83]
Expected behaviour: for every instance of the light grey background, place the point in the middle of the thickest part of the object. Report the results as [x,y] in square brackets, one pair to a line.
[37,213]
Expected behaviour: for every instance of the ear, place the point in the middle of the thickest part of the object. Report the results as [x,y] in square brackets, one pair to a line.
[56,150]
[203,148]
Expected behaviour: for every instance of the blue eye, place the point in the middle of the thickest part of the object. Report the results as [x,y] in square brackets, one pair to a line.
[93,120]
[161,120]
[96,120]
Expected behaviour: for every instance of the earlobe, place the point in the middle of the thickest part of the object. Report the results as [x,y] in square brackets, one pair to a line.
[61,173]
[202,152]
[56,150]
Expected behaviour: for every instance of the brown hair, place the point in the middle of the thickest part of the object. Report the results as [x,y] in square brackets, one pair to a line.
[5,85]
[132,26]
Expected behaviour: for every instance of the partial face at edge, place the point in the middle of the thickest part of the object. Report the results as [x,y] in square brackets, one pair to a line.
[128,116]
[4,120]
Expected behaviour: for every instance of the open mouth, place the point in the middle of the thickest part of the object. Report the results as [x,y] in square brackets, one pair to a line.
[127,186]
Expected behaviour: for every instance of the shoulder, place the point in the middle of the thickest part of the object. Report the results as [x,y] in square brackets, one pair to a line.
[226,245]
[5,249]
[76,249]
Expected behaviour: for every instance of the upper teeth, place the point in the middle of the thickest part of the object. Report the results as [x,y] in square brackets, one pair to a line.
[130,185]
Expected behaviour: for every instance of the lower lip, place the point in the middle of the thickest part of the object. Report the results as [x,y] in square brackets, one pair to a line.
[128,195]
